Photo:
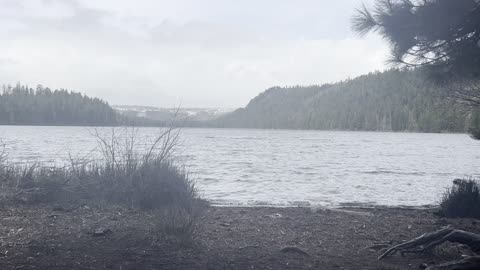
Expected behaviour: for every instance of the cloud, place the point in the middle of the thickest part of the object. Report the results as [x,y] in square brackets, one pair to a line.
[164,53]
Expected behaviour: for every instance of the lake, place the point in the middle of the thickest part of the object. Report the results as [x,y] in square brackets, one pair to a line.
[287,167]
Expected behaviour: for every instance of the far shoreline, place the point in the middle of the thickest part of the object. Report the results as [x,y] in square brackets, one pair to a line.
[237,128]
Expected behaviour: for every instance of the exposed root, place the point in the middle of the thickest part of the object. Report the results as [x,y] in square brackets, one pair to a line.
[428,241]
[468,263]
[417,242]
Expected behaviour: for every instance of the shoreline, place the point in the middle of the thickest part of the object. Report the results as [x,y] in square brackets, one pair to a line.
[240,128]
[331,207]
[62,236]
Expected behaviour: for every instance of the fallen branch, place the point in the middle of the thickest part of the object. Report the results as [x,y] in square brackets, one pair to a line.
[428,241]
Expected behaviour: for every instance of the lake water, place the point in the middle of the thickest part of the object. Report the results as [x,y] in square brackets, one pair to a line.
[286,167]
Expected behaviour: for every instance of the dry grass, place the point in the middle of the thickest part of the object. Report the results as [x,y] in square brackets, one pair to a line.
[130,173]
[462,200]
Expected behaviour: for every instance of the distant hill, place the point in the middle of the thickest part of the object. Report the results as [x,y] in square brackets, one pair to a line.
[21,105]
[167,114]
[382,101]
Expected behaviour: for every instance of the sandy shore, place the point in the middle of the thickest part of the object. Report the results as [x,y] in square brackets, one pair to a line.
[63,237]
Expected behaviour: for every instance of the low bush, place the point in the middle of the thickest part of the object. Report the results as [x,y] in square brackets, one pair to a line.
[130,172]
[462,200]
[140,174]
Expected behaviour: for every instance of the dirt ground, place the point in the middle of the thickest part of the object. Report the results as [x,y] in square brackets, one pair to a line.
[94,237]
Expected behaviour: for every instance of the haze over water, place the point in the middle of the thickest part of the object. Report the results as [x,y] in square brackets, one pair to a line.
[287,167]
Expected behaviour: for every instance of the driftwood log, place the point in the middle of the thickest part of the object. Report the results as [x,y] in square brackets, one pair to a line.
[428,241]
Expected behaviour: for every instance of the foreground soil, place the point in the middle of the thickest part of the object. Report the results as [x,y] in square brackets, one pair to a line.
[94,237]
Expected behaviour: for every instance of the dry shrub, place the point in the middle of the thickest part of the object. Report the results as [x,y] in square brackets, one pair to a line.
[130,172]
[462,200]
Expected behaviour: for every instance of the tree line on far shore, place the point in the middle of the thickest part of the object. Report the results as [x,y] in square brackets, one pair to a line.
[394,100]
[22,105]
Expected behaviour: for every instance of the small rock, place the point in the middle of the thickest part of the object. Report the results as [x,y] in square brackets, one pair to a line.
[277,215]
[224,224]
[101,232]
[294,250]
[58,208]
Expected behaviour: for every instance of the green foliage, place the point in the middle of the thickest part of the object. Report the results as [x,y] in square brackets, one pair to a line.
[21,105]
[390,101]
[440,34]
[462,200]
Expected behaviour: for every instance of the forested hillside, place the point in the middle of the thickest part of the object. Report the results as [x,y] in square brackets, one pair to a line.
[389,101]
[21,105]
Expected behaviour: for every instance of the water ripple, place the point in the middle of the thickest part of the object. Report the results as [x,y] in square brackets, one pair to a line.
[288,168]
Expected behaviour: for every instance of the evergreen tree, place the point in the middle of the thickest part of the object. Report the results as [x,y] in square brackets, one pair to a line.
[389,101]
[441,36]
[21,105]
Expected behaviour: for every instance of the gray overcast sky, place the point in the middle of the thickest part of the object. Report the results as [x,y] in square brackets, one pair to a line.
[193,53]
